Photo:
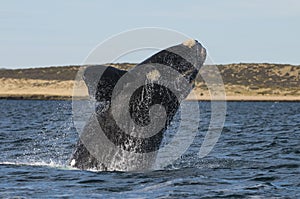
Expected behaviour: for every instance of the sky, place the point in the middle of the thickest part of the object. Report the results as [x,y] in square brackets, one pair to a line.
[54,33]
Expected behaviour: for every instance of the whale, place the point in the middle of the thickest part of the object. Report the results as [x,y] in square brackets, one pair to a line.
[133,109]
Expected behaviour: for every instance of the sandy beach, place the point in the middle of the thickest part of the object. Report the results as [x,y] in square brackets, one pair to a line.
[242,82]
[63,90]
[35,89]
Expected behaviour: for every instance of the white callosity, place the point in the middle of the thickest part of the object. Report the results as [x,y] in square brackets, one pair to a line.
[153,75]
[189,43]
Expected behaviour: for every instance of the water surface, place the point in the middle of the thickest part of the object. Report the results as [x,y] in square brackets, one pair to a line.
[257,156]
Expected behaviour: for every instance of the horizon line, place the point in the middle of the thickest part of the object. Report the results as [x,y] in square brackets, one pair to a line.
[84,64]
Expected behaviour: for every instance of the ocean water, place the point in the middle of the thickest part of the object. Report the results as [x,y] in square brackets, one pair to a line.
[256,156]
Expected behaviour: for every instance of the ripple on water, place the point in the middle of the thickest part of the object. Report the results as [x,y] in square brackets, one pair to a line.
[256,156]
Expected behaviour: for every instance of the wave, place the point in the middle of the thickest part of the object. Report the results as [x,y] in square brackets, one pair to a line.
[51,164]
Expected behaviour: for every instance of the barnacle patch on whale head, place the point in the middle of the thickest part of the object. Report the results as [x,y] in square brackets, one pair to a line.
[153,75]
[189,43]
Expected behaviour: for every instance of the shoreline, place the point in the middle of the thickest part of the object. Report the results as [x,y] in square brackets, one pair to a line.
[242,82]
[207,98]
[32,89]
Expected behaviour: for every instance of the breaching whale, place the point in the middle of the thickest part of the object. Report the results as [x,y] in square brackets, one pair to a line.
[133,109]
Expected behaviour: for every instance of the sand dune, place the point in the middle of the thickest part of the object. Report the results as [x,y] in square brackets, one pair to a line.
[242,82]
[35,89]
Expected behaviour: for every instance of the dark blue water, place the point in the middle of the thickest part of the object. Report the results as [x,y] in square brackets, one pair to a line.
[257,156]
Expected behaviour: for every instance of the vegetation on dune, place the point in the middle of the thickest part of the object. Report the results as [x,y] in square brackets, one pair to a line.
[261,75]
[62,73]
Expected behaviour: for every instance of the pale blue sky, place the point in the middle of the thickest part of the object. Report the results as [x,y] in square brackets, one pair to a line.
[45,33]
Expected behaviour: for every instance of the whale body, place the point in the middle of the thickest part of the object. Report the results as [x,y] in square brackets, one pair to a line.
[134,108]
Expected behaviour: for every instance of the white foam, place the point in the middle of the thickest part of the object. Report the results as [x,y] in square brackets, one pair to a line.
[73,162]
[42,163]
